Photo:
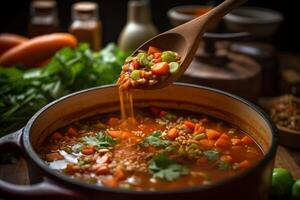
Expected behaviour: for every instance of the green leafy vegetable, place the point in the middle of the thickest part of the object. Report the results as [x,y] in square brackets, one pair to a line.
[212,155]
[24,91]
[143,59]
[168,56]
[155,140]
[163,167]
[100,140]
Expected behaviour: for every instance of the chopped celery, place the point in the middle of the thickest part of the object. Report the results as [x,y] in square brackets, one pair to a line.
[135,74]
[168,56]
[143,59]
[174,67]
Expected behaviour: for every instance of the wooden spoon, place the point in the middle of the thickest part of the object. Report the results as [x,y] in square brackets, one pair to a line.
[185,39]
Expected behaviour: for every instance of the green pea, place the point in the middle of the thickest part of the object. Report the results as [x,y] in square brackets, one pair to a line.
[174,67]
[168,56]
[282,182]
[296,190]
[143,59]
[135,74]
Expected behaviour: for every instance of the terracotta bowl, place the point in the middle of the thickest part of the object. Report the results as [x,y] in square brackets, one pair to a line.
[253,184]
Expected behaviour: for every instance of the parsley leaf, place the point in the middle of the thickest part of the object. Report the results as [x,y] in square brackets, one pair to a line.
[212,155]
[100,140]
[155,140]
[163,167]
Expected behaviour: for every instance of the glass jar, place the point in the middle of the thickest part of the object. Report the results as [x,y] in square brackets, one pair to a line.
[44,18]
[86,26]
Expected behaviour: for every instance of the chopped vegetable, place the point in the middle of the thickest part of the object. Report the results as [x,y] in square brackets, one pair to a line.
[296,190]
[163,167]
[23,92]
[155,140]
[282,181]
[168,56]
[212,155]
[100,140]
[174,67]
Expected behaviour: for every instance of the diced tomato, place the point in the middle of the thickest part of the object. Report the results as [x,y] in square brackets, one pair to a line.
[202,160]
[70,169]
[199,128]
[119,173]
[161,68]
[102,170]
[206,143]
[153,50]
[110,182]
[135,63]
[225,136]
[226,158]
[157,55]
[190,125]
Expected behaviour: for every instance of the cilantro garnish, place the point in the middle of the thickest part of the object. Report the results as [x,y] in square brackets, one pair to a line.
[155,140]
[212,155]
[100,140]
[163,167]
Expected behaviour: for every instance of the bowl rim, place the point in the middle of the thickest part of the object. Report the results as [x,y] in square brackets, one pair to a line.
[273,16]
[174,13]
[68,181]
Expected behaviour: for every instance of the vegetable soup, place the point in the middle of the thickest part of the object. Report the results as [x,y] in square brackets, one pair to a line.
[159,149]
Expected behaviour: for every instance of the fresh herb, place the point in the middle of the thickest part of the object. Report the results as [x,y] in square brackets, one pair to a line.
[163,167]
[100,140]
[25,91]
[155,140]
[223,165]
[212,155]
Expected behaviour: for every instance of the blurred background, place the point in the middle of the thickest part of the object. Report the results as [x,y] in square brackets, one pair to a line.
[14,17]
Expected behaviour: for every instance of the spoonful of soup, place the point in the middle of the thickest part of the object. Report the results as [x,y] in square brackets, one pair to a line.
[164,58]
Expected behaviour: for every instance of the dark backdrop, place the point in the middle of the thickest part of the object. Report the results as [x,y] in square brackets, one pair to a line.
[14,16]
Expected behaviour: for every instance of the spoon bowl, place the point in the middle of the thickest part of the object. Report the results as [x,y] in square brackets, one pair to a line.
[185,39]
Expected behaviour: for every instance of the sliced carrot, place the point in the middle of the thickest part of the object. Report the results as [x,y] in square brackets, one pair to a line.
[172,133]
[244,164]
[199,128]
[56,136]
[119,174]
[72,132]
[70,169]
[153,50]
[222,143]
[190,125]
[110,182]
[160,68]
[157,55]
[206,143]
[88,150]
[236,141]
[212,134]
[113,121]
[54,156]
[247,140]
[226,158]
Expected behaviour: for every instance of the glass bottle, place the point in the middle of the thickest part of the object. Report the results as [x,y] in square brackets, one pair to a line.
[86,26]
[139,27]
[44,18]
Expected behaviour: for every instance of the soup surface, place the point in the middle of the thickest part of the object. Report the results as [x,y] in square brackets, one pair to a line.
[158,149]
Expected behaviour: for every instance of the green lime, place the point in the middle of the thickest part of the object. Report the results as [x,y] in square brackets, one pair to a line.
[282,181]
[296,190]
